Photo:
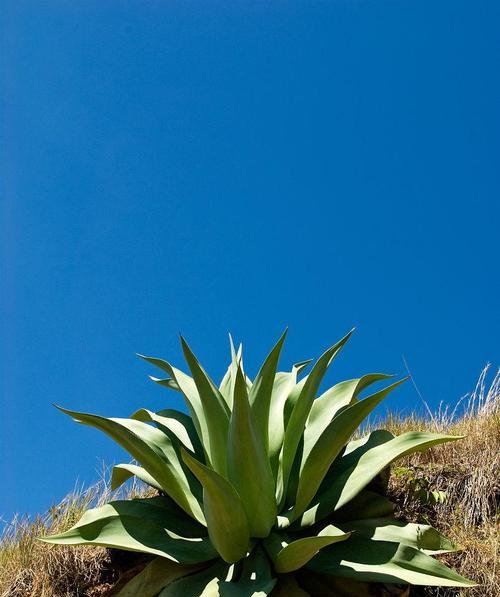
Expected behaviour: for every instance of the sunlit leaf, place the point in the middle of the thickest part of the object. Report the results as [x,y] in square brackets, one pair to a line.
[330,403]
[301,409]
[382,561]
[153,450]
[359,467]
[291,554]
[249,470]
[123,472]
[176,424]
[260,393]
[215,409]
[329,445]
[420,536]
[147,526]
[224,513]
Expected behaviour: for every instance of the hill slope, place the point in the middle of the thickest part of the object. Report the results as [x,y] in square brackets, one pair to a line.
[454,486]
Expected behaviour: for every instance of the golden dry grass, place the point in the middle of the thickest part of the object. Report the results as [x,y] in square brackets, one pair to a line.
[30,568]
[466,470]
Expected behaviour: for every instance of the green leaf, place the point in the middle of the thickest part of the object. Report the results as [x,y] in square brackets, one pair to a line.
[329,404]
[226,386]
[146,526]
[353,472]
[284,384]
[292,398]
[369,503]
[421,536]
[289,555]
[215,410]
[260,394]
[180,429]
[359,446]
[382,561]
[248,466]
[237,360]
[153,450]
[329,445]
[254,580]
[176,424]
[300,412]
[166,382]
[282,491]
[226,519]
[201,584]
[190,393]
[122,473]
[154,577]
[301,365]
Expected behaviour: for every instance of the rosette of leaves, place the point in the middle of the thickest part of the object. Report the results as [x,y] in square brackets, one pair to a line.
[261,488]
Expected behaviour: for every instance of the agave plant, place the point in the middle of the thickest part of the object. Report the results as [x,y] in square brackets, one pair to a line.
[260,489]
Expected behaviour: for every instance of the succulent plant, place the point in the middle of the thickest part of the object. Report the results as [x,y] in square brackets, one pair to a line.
[261,489]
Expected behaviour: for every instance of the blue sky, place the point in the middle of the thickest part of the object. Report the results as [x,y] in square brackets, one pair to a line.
[207,167]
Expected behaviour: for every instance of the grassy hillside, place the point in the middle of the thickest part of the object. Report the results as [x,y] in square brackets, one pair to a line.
[454,486]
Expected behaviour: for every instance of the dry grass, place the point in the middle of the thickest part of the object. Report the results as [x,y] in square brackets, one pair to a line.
[30,568]
[466,470]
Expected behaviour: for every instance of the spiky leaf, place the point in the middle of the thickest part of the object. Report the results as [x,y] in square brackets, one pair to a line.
[216,411]
[383,561]
[177,425]
[421,536]
[153,449]
[123,472]
[260,393]
[329,404]
[284,384]
[190,393]
[329,445]
[146,526]
[248,465]
[291,554]
[224,513]
[300,412]
[352,473]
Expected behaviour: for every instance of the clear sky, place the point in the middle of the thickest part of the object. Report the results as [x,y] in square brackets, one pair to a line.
[207,167]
